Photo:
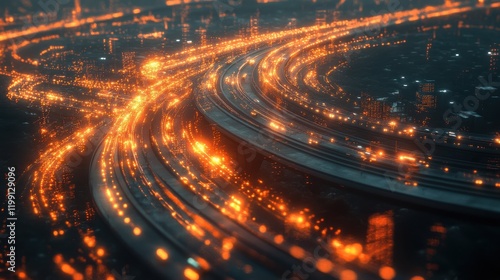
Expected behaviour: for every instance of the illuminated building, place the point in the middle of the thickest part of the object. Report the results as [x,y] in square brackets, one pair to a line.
[165,23]
[216,138]
[321,17]
[129,68]
[203,36]
[429,48]
[44,123]
[377,108]
[380,238]
[67,177]
[435,241]
[426,96]
[128,62]
[427,86]
[336,16]
[494,53]
[277,169]
[95,67]
[185,33]
[403,111]
[110,45]
[254,25]
[185,26]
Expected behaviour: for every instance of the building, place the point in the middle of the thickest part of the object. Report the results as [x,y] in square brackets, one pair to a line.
[403,111]
[426,98]
[95,67]
[376,108]
[202,32]
[128,62]
[435,240]
[321,17]
[111,45]
[254,25]
[380,238]
[185,28]
[494,54]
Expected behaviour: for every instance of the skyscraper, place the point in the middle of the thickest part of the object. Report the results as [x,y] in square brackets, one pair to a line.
[380,238]
[321,17]
[494,54]
[128,61]
[426,96]
[377,108]
[203,36]
[254,25]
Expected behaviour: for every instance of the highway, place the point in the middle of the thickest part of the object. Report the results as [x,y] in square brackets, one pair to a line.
[243,111]
[182,164]
[182,204]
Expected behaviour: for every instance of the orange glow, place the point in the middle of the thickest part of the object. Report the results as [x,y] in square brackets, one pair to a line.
[324,265]
[66,268]
[353,249]
[278,239]
[90,241]
[227,244]
[417,278]
[137,231]
[216,160]
[299,221]
[190,274]
[297,252]
[203,263]
[387,273]
[22,275]
[348,275]
[379,246]
[351,252]
[58,259]
[364,258]
[336,243]
[162,254]
[262,228]
[226,255]
[100,252]
[407,158]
